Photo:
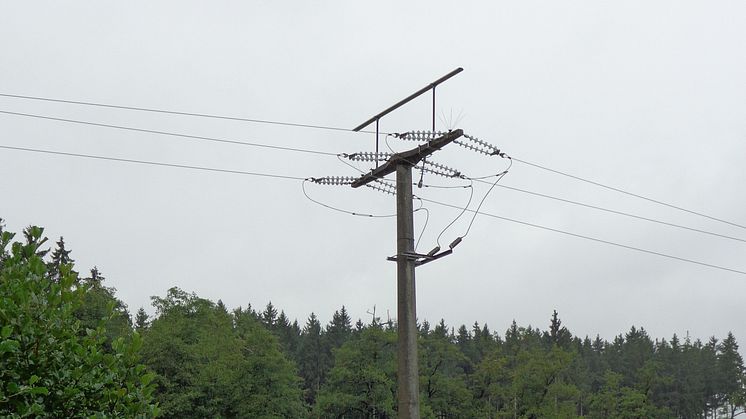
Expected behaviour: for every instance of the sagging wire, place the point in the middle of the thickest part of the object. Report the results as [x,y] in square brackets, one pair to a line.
[471,195]
[386,140]
[427,219]
[499,177]
[321,181]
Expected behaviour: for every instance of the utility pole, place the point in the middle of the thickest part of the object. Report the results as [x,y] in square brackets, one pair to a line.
[408,394]
[407,374]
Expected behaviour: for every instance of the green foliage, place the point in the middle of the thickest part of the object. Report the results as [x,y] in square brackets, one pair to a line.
[210,363]
[442,378]
[100,304]
[49,364]
[615,401]
[362,382]
[67,348]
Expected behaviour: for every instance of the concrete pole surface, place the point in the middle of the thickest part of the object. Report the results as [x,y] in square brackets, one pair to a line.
[408,393]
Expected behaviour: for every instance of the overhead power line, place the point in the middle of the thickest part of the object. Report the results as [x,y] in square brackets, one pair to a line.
[624,246]
[269,175]
[182,113]
[308,151]
[152,163]
[629,193]
[611,211]
[172,134]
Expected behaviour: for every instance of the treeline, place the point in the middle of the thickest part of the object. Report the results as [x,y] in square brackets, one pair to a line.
[198,358]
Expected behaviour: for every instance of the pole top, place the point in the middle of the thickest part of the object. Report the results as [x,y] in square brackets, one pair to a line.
[408,99]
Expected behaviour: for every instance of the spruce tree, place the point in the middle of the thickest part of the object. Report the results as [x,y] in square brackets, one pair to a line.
[730,373]
[60,256]
[269,317]
[312,361]
[141,320]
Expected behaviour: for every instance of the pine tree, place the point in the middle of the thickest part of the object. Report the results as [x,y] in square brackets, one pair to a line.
[312,361]
[288,334]
[141,320]
[60,256]
[269,317]
[730,373]
[338,330]
[95,279]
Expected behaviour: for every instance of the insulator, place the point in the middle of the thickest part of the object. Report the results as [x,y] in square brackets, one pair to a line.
[486,148]
[388,189]
[367,156]
[334,180]
[439,169]
[420,135]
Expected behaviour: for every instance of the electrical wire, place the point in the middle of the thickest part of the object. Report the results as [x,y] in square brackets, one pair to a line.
[624,246]
[422,200]
[629,193]
[424,227]
[147,162]
[582,204]
[283,123]
[499,177]
[195,114]
[358,214]
[427,185]
[172,134]
[471,195]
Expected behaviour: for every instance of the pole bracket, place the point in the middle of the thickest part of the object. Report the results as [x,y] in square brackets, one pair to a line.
[419,258]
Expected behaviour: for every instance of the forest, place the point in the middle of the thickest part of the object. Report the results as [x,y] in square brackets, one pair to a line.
[70,348]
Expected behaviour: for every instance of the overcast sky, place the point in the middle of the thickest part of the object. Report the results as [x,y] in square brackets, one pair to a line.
[645,96]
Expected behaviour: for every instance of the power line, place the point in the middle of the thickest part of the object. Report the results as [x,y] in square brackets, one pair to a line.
[212,169]
[252,144]
[172,134]
[153,163]
[299,150]
[589,238]
[582,204]
[170,112]
[263,121]
[499,178]
[629,193]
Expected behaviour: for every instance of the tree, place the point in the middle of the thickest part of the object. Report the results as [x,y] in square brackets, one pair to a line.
[731,375]
[60,256]
[269,317]
[442,379]
[615,401]
[362,382]
[100,303]
[141,320]
[214,364]
[49,366]
[558,334]
[338,330]
[312,360]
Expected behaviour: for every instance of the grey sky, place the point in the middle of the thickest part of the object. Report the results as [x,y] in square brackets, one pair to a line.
[645,96]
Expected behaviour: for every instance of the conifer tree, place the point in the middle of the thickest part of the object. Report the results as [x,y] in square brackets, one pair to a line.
[730,373]
[312,361]
[269,317]
[141,320]
[60,256]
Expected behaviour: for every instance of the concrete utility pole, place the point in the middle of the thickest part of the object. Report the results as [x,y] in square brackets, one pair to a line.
[407,374]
